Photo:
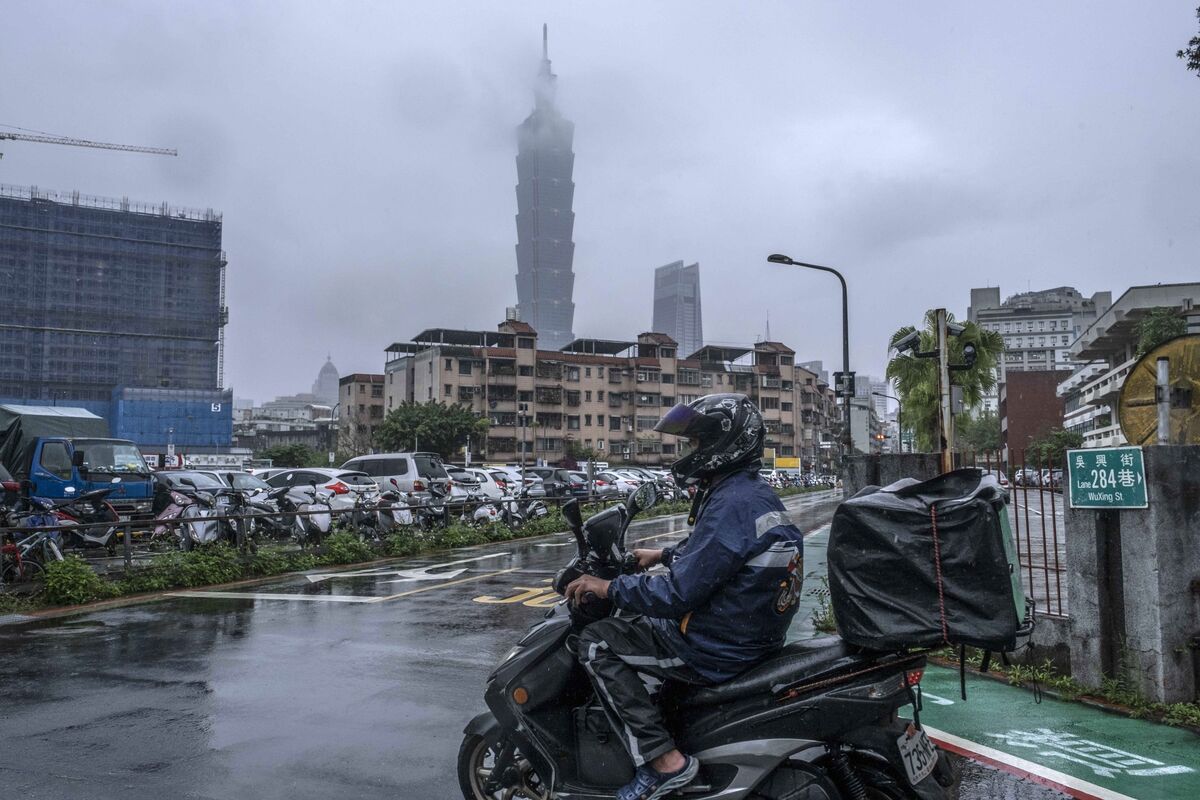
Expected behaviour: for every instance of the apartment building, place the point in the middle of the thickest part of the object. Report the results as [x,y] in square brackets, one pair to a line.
[604,395]
[1107,351]
[360,409]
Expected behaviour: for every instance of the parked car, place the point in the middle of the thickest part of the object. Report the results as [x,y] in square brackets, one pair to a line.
[600,487]
[999,475]
[413,472]
[559,482]
[343,485]
[489,487]
[623,483]
[513,479]
[266,473]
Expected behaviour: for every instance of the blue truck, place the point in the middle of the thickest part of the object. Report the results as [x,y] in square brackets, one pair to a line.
[64,452]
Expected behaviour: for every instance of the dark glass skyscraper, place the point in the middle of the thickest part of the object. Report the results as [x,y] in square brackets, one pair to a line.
[677,306]
[545,221]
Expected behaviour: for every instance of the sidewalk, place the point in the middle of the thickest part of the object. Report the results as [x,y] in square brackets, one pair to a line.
[1079,750]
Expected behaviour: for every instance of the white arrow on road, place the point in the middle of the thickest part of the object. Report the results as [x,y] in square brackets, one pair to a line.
[405,575]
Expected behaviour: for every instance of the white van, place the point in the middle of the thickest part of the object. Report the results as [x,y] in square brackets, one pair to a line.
[412,472]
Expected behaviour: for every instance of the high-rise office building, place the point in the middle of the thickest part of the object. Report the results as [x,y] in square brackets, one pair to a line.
[677,305]
[545,221]
[118,307]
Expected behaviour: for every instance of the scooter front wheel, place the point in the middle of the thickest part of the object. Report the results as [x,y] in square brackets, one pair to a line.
[476,761]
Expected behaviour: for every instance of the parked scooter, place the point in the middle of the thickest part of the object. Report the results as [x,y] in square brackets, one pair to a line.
[518,509]
[190,518]
[430,512]
[816,720]
[90,521]
[307,512]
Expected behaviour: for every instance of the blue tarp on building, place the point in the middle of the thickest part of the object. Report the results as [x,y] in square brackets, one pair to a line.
[154,418]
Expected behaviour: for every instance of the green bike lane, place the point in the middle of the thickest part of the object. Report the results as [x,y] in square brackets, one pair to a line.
[1076,749]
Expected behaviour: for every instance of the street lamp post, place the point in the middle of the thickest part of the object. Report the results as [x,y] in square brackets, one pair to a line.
[846,389]
[899,415]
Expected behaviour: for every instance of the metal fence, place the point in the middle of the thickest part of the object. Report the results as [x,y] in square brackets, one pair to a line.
[1035,514]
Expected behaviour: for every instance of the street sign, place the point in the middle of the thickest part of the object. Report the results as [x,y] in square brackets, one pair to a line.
[1107,477]
[843,384]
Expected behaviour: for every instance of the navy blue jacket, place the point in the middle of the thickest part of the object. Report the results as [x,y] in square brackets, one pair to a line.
[733,585]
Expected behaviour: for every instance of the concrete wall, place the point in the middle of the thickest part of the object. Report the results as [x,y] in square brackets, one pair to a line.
[1134,583]
[887,468]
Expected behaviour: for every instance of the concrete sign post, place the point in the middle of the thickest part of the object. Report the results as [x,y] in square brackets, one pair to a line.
[1107,477]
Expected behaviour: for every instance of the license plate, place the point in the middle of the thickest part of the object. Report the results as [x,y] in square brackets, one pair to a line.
[123,517]
[918,754]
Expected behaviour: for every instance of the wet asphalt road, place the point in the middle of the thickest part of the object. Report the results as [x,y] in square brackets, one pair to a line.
[358,690]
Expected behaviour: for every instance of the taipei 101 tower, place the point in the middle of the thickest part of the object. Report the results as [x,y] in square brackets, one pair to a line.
[545,222]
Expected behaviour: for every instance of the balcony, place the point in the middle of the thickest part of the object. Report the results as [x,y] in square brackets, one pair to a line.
[648,400]
[615,400]
[466,394]
[769,382]
[552,372]
[506,370]
[501,393]
[551,396]
[615,376]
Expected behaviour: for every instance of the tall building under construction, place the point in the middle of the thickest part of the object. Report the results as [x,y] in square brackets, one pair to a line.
[545,221]
[117,307]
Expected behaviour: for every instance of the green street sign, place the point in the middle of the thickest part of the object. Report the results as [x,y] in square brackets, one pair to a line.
[1107,477]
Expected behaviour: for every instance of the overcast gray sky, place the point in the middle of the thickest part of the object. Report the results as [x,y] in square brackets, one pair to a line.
[363,156]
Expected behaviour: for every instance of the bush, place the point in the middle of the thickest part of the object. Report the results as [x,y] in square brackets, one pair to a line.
[403,543]
[72,581]
[345,548]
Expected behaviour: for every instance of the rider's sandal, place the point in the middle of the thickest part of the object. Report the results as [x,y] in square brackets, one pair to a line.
[650,784]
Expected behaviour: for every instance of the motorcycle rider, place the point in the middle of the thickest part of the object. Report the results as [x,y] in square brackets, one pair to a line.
[725,603]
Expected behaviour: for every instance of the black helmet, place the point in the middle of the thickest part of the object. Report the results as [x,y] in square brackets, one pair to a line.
[730,429]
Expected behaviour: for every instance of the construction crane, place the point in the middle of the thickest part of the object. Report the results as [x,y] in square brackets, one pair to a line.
[67,140]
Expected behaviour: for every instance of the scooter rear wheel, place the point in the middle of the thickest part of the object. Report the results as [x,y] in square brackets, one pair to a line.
[476,756]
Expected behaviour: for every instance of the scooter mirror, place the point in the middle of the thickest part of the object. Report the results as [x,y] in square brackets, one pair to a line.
[572,514]
[642,498]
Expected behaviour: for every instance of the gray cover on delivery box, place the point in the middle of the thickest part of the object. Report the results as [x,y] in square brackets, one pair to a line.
[926,564]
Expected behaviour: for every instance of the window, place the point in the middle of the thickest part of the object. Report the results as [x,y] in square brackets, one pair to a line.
[785,406]
[599,444]
[587,420]
[464,367]
[524,342]
[447,389]
[668,449]
[668,352]
[587,395]
[768,402]
[587,372]
[667,377]
[525,371]
[377,390]
[614,423]
[362,388]
[56,460]
[600,395]
[573,423]
[525,396]
[449,364]
[573,374]
[599,372]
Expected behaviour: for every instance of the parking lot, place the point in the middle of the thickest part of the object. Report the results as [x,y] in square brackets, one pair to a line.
[330,684]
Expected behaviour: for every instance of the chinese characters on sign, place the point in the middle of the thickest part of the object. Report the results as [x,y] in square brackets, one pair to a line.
[1110,477]
[1105,761]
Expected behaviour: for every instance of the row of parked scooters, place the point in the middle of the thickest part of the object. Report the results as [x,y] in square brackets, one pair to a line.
[195,517]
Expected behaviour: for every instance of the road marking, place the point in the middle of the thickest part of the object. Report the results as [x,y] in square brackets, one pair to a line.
[320,598]
[1075,787]
[416,574]
[441,585]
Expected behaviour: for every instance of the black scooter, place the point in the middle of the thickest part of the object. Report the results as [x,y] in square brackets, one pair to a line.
[817,721]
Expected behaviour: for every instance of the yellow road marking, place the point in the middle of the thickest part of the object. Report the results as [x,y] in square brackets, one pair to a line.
[441,585]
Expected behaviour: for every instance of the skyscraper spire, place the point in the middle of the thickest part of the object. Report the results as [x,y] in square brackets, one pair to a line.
[545,221]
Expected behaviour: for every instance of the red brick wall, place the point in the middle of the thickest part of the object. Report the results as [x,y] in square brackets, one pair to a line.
[1031,406]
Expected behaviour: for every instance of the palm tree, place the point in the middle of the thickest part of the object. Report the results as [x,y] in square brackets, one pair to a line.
[916,379]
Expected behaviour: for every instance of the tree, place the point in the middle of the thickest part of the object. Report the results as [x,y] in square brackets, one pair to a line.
[1050,449]
[1192,53]
[291,455]
[978,433]
[1157,326]
[916,379]
[435,427]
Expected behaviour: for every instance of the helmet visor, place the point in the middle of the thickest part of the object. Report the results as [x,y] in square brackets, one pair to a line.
[683,420]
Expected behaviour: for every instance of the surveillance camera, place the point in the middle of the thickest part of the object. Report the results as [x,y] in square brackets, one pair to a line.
[954,329]
[908,342]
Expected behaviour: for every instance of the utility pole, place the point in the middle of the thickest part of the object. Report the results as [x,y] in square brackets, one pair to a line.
[521,409]
[945,415]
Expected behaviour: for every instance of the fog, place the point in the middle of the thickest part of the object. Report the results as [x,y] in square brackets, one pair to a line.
[363,156]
